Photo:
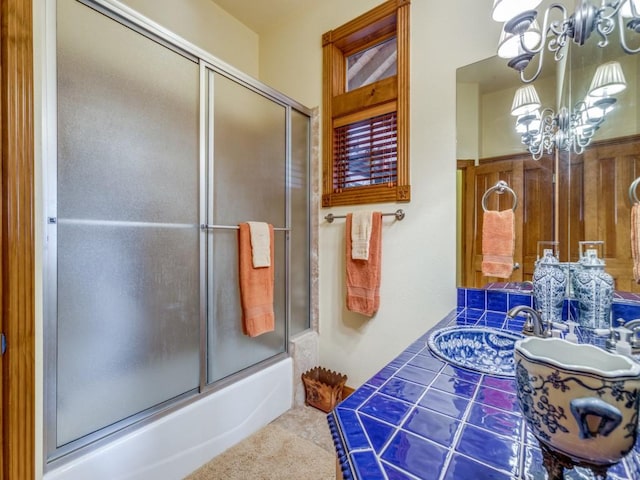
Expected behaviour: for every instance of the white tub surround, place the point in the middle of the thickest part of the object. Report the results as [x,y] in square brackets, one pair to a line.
[177,444]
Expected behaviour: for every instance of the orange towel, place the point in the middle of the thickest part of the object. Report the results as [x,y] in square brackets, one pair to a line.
[363,276]
[256,287]
[635,241]
[498,243]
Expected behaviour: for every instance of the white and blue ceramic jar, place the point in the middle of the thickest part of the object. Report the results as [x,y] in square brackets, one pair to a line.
[578,400]
[593,289]
[549,286]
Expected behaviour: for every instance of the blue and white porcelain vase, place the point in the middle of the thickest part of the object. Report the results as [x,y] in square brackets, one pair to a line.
[579,401]
[593,289]
[549,287]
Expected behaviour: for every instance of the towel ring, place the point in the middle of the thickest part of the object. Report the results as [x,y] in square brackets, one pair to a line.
[633,197]
[499,188]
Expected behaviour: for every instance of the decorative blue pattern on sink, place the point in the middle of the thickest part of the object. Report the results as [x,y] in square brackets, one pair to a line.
[423,418]
[482,349]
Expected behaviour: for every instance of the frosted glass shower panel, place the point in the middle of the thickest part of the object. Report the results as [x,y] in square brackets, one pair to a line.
[128,330]
[249,183]
[249,155]
[128,275]
[229,350]
[300,253]
[127,123]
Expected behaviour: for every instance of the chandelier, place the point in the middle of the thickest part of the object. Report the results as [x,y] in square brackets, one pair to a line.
[569,130]
[522,38]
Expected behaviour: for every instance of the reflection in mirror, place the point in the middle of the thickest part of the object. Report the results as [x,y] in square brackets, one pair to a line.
[489,151]
[567,196]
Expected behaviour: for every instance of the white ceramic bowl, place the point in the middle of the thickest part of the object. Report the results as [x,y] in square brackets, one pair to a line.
[578,400]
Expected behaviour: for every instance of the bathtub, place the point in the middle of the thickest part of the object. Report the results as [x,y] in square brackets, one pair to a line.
[174,445]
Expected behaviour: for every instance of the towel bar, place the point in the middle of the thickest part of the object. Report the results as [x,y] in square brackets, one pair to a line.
[399,214]
[633,197]
[206,226]
[499,188]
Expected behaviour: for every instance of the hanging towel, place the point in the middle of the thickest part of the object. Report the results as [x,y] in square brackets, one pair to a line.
[498,243]
[256,286]
[260,244]
[360,235]
[635,241]
[363,276]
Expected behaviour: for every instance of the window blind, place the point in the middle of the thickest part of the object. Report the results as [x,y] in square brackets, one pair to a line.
[365,153]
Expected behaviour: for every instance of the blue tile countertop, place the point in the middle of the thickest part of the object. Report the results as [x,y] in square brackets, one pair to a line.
[422,418]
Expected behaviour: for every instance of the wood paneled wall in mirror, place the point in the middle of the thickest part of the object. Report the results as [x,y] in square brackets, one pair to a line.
[566,196]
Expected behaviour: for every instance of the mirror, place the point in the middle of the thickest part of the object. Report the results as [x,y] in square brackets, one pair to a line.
[566,197]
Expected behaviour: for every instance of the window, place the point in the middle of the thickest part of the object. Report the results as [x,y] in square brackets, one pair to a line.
[365,152]
[366,108]
[373,64]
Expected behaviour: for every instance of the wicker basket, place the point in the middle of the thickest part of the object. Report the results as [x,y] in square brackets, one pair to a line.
[323,388]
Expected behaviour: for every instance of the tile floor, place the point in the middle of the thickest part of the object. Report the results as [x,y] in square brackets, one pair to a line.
[309,423]
[298,444]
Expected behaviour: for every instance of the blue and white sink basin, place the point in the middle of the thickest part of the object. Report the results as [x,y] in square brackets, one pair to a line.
[481,349]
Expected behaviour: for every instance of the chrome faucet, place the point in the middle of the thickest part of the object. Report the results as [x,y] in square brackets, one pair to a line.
[614,336]
[527,283]
[533,325]
[634,326]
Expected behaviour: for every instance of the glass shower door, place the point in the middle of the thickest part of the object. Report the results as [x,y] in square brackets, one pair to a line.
[127,233]
[247,174]
[142,307]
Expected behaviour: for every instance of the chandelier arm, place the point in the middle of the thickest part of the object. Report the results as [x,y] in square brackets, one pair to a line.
[611,8]
[606,19]
[559,30]
[537,155]
[584,141]
[534,146]
[537,72]
[623,40]
[549,127]
[545,25]
[604,29]
[548,144]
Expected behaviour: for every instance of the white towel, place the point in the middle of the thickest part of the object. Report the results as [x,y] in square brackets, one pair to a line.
[260,244]
[360,235]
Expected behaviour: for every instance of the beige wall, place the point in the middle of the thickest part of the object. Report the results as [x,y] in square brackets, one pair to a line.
[467,121]
[207,26]
[418,258]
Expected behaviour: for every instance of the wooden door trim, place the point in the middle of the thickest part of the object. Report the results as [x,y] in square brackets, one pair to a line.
[466,234]
[17,240]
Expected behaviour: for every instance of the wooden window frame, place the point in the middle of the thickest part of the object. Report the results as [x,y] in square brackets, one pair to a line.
[379,24]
